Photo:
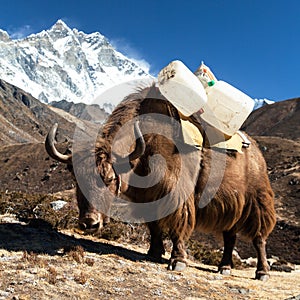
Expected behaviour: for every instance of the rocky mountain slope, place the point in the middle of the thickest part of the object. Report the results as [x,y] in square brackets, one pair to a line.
[83,111]
[280,119]
[277,129]
[64,64]
[24,119]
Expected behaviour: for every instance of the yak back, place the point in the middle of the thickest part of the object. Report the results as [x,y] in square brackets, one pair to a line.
[146,100]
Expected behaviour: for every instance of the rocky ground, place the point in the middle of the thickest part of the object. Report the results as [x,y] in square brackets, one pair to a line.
[39,262]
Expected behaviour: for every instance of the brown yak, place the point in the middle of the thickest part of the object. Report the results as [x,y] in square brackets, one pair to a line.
[198,193]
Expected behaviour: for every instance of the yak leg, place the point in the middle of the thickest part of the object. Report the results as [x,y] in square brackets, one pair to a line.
[178,235]
[180,231]
[262,270]
[157,248]
[178,255]
[226,263]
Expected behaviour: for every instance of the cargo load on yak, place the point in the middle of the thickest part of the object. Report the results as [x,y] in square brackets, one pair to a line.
[218,103]
[200,97]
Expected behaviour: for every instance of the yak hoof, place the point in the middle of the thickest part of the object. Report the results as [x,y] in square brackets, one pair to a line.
[262,276]
[178,266]
[225,271]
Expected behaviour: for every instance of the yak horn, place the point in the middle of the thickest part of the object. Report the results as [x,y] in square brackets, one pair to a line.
[51,149]
[140,143]
[139,150]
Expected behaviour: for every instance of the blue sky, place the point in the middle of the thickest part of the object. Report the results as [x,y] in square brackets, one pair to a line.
[252,44]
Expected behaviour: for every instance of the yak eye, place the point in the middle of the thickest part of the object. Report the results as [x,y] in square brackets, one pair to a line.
[109,180]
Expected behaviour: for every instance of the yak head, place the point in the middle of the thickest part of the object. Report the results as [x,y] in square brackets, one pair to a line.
[97,181]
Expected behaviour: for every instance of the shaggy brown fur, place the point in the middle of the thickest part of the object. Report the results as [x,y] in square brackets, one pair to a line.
[243,203]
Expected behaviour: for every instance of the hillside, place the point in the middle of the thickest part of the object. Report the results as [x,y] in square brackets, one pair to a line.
[82,111]
[24,119]
[27,168]
[279,119]
[276,127]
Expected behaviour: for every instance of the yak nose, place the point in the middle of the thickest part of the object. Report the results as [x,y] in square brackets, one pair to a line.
[90,225]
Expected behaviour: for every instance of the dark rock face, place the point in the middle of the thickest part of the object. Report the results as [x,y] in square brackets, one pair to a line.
[24,119]
[82,111]
[281,119]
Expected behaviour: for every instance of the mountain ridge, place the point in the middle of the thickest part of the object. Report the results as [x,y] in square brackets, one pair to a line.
[65,64]
[278,119]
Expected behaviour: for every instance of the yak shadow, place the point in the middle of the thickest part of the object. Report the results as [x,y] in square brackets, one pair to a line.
[39,237]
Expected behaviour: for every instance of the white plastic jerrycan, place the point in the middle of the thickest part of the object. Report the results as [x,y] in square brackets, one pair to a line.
[182,88]
[227,107]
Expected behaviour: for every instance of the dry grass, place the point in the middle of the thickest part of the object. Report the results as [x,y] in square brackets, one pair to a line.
[77,267]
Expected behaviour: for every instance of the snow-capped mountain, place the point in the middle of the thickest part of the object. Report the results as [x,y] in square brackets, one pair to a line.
[261,102]
[65,64]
